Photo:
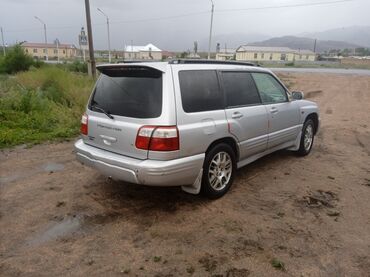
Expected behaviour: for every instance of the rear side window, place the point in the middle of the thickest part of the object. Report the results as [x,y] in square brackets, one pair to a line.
[240,89]
[129,91]
[200,91]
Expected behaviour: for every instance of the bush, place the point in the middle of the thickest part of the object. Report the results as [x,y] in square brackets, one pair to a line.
[41,104]
[15,61]
[77,66]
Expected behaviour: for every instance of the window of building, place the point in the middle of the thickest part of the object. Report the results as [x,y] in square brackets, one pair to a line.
[26,50]
[64,51]
[262,55]
[283,57]
[44,50]
[35,50]
[200,91]
[55,51]
[255,55]
[270,56]
[271,91]
[240,89]
[307,57]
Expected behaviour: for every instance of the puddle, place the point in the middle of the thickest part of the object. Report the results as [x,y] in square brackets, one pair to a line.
[47,167]
[60,229]
[52,167]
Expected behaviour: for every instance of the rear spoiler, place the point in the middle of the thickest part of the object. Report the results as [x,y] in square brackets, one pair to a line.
[130,71]
[160,66]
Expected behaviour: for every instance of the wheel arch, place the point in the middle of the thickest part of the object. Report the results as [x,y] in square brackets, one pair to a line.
[315,118]
[227,140]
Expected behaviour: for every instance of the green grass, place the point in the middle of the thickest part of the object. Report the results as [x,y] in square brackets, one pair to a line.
[278,264]
[41,104]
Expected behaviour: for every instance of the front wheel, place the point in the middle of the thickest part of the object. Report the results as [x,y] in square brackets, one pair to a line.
[218,171]
[307,138]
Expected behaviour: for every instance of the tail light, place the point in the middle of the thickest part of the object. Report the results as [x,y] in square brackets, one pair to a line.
[158,138]
[84,124]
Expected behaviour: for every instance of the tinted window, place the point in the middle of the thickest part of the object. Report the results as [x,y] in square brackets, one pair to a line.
[132,92]
[240,89]
[200,91]
[270,89]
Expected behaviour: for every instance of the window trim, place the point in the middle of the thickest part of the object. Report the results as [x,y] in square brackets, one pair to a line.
[224,92]
[219,87]
[287,94]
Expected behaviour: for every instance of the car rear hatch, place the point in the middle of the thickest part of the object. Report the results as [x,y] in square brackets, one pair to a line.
[125,98]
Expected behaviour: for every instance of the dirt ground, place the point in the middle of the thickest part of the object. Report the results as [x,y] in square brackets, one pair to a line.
[284,215]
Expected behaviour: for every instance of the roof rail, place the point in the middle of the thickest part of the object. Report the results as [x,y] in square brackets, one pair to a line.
[202,61]
[138,61]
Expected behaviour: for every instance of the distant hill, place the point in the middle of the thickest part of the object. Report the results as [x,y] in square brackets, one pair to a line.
[304,43]
[356,34]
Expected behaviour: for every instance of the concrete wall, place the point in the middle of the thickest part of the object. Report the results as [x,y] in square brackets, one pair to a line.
[355,61]
[144,55]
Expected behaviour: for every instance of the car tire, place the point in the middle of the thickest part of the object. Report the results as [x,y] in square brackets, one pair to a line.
[307,138]
[218,171]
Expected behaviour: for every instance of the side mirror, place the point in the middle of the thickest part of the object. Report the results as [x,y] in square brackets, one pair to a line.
[297,95]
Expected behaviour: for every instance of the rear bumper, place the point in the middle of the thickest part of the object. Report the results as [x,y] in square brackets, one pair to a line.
[177,172]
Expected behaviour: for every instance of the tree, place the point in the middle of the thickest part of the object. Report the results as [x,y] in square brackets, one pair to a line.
[15,60]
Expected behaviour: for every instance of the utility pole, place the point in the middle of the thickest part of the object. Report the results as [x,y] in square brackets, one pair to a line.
[210,31]
[314,46]
[46,39]
[106,16]
[90,39]
[57,43]
[2,38]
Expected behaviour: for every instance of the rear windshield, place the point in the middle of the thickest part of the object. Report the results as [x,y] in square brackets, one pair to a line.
[129,91]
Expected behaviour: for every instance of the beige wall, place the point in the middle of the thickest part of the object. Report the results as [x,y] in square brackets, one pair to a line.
[40,53]
[305,57]
[268,56]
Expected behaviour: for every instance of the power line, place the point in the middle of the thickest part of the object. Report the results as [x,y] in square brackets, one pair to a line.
[285,6]
[188,15]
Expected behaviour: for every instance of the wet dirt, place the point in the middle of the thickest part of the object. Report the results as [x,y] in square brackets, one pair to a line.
[284,215]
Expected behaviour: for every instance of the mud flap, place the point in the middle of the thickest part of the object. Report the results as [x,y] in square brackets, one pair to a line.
[297,143]
[195,187]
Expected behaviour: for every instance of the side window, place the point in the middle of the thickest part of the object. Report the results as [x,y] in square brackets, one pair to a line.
[200,91]
[240,89]
[271,91]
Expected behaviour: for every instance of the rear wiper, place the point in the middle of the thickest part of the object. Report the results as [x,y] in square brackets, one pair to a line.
[102,110]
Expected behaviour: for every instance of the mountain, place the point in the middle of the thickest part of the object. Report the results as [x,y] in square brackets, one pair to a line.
[305,43]
[233,40]
[355,34]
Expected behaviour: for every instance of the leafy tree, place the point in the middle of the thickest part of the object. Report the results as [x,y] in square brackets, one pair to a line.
[15,60]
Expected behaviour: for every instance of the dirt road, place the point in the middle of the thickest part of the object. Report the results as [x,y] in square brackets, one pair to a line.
[306,216]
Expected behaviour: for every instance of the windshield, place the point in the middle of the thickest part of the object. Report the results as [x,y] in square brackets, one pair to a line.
[129,91]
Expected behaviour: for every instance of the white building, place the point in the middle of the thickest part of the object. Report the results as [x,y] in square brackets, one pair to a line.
[226,54]
[147,52]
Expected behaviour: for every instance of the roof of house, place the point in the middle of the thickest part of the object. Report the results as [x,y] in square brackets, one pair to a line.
[146,48]
[48,45]
[249,48]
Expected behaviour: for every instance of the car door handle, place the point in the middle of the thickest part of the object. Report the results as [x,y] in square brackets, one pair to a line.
[237,115]
[274,110]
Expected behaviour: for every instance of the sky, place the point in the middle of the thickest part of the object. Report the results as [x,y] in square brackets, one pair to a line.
[173,23]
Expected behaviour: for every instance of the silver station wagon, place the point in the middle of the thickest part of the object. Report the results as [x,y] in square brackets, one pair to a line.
[190,123]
